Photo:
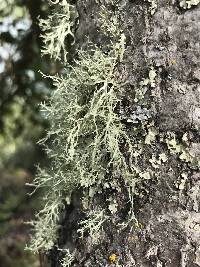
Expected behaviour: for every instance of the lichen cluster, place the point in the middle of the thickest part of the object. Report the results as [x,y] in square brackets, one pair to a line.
[57,28]
[95,142]
[67,260]
[86,131]
[153,6]
[188,4]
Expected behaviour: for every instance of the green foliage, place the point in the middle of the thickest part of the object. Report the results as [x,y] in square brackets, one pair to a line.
[19,150]
[15,207]
[12,7]
[21,124]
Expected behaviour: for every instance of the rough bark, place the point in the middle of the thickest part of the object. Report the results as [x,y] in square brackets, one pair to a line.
[166,206]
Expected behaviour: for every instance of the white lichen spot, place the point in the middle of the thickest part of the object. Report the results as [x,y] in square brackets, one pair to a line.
[184,178]
[185,137]
[188,4]
[151,79]
[153,6]
[113,206]
[145,175]
[163,157]
[155,162]
[151,136]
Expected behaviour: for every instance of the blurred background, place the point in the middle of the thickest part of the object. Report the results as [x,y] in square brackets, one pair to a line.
[22,124]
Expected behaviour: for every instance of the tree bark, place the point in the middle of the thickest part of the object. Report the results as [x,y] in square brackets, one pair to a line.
[167,232]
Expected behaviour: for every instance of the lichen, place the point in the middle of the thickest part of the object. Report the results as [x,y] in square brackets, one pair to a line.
[188,4]
[104,142]
[153,6]
[67,259]
[151,136]
[93,225]
[90,129]
[151,79]
[181,149]
[46,225]
[87,132]
[57,28]
[108,22]
[112,258]
[182,183]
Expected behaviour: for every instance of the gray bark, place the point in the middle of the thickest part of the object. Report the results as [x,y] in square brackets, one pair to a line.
[169,232]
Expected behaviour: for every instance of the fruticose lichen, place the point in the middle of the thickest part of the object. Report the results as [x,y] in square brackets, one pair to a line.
[68,258]
[86,131]
[92,148]
[57,28]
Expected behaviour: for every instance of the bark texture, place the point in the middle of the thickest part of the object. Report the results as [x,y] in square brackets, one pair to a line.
[166,206]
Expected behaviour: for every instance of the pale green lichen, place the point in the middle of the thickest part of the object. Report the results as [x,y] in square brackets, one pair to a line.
[151,136]
[145,175]
[46,224]
[145,84]
[86,132]
[108,22]
[113,206]
[87,136]
[182,183]
[93,225]
[155,162]
[158,160]
[181,149]
[189,4]
[68,258]
[56,29]
[163,157]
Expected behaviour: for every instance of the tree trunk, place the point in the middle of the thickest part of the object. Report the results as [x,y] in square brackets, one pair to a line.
[160,70]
